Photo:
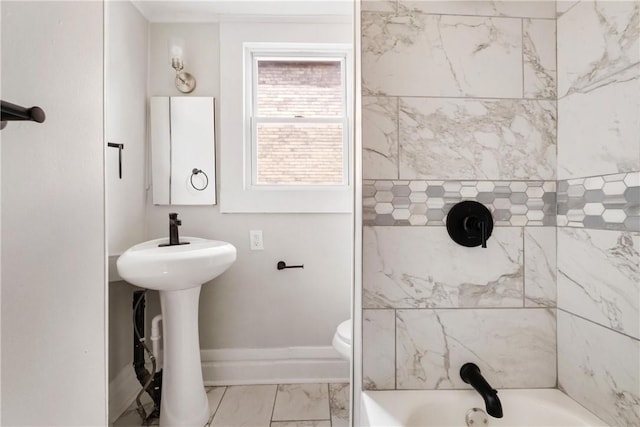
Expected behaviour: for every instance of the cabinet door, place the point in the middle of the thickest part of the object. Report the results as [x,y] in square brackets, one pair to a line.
[160,150]
[183,139]
[192,147]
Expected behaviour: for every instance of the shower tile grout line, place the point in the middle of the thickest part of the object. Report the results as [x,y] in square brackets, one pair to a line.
[524,267]
[598,324]
[522,52]
[398,134]
[516,307]
[490,98]
[397,12]
[395,349]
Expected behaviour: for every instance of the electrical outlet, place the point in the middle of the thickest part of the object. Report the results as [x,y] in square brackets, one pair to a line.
[255,240]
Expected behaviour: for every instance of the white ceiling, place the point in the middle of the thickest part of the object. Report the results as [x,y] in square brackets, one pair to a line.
[244,10]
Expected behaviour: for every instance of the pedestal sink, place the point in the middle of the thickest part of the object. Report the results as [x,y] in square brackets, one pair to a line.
[178,272]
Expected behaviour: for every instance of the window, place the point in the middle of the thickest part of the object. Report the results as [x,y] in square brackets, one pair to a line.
[286,113]
[297,117]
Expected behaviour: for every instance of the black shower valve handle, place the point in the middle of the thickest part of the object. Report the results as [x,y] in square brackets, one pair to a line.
[483,233]
[470,224]
[473,224]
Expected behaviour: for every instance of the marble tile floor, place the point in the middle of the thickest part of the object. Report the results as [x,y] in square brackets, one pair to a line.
[283,405]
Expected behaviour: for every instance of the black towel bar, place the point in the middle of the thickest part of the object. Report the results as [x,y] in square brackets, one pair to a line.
[282,265]
[12,112]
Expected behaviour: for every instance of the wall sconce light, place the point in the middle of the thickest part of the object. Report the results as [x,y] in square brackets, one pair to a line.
[185,82]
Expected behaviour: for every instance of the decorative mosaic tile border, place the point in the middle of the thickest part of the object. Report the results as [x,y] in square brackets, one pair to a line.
[405,203]
[610,202]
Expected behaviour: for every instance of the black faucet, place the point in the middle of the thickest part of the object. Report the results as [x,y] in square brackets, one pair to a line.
[470,374]
[174,238]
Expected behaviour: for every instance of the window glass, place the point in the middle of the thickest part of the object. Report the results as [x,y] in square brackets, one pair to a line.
[295,88]
[299,123]
[294,154]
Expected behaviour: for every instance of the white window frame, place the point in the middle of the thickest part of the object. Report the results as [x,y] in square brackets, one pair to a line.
[235,196]
[255,52]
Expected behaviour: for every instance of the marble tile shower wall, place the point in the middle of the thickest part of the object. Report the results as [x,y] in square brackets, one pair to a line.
[459,103]
[598,287]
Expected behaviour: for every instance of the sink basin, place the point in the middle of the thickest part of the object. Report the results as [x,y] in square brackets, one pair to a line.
[173,268]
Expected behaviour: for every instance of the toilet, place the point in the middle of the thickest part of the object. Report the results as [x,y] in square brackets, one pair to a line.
[342,339]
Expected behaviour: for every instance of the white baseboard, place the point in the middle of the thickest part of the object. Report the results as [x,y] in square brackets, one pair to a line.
[233,366]
[273,366]
[122,392]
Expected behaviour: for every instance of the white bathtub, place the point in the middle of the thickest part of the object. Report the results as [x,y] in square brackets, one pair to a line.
[424,408]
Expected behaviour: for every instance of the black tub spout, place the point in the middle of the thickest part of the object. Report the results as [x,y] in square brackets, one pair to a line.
[470,374]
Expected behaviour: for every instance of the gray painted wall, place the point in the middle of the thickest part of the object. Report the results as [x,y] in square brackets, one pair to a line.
[53,215]
[125,119]
[253,305]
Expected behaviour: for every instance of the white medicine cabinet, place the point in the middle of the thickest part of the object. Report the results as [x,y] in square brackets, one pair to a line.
[183,150]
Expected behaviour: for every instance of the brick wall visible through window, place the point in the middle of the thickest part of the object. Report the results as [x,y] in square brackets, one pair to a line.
[300,153]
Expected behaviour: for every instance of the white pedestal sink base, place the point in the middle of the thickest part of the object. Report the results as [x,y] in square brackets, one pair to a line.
[184,400]
[178,272]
